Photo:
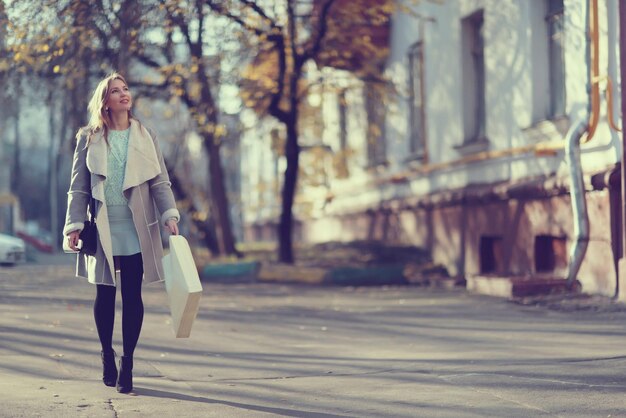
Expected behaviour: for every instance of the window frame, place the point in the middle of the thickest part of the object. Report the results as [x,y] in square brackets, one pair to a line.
[475,23]
[376,143]
[417,112]
[555,17]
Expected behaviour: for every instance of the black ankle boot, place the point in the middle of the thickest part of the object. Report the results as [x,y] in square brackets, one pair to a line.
[109,371]
[125,379]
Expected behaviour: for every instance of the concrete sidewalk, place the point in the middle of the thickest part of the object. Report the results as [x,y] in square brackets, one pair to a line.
[302,351]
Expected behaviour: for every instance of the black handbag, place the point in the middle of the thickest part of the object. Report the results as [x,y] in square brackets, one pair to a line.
[89,234]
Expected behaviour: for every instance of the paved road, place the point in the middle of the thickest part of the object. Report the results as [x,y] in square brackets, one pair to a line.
[299,351]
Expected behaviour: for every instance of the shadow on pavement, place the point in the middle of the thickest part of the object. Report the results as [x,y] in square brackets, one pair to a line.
[280,411]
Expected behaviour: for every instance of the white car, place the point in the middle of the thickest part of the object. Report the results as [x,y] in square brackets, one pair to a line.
[12,250]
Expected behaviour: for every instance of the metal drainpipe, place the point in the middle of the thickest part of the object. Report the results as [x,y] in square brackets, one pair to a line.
[577,185]
[579,203]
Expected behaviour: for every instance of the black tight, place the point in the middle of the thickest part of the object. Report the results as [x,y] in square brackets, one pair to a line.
[131,271]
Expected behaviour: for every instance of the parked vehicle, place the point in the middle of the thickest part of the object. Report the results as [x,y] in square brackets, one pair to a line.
[12,250]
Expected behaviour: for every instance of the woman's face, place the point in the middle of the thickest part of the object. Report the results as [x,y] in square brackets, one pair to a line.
[120,99]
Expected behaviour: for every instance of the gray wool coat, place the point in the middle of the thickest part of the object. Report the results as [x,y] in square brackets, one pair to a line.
[146,185]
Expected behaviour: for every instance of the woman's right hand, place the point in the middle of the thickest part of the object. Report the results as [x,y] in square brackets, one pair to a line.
[72,239]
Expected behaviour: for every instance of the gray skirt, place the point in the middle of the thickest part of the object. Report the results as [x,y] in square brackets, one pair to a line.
[124,238]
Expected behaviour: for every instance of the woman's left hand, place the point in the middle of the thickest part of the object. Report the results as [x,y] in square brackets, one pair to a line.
[172,226]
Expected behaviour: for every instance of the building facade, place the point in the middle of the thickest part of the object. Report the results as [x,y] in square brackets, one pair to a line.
[461,150]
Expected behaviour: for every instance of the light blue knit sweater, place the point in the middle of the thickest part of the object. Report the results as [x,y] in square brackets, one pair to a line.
[118,151]
[124,239]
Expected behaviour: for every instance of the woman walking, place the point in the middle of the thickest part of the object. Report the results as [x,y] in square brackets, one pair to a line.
[119,167]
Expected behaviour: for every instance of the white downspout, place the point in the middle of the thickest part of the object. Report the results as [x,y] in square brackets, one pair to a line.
[579,203]
[580,215]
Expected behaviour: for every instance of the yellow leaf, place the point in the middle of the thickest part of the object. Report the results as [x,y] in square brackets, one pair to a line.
[56,69]
[220,130]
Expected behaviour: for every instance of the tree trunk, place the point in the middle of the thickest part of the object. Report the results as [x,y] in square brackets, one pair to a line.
[219,198]
[16,168]
[203,226]
[52,173]
[129,23]
[60,156]
[285,227]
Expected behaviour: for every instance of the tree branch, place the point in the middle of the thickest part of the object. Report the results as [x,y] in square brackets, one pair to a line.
[297,60]
[148,61]
[321,33]
[184,28]
[224,12]
[260,12]
[274,106]
[200,12]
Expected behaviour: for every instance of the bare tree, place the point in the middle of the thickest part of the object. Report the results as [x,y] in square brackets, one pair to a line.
[77,42]
[288,34]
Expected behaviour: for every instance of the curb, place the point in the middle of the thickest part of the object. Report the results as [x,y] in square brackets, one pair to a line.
[394,274]
[511,287]
[338,276]
[236,272]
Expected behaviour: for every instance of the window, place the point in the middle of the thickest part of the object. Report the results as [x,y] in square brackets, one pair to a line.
[556,36]
[491,255]
[416,101]
[278,146]
[374,105]
[473,64]
[550,254]
[341,160]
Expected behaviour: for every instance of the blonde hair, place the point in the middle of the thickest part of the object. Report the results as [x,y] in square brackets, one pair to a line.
[99,118]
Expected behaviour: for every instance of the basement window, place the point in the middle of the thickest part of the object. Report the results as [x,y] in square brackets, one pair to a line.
[550,253]
[491,254]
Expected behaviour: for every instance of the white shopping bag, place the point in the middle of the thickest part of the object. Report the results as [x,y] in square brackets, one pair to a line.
[182,285]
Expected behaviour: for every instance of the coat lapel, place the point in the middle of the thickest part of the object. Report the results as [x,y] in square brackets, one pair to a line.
[97,164]
[97,154]
[142,163]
